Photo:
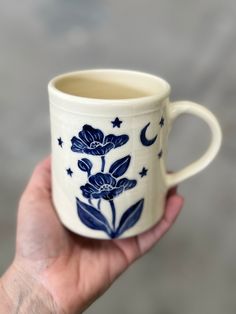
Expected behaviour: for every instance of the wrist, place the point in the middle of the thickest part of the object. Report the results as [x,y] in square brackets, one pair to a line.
[21,293]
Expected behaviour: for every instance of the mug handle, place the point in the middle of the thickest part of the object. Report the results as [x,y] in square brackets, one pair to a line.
[177,108]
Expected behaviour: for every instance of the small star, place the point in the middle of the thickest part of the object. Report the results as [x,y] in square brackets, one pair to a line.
[69,172]
[161,123]
[160,154]
[117,122]
[143,172]
[60,141]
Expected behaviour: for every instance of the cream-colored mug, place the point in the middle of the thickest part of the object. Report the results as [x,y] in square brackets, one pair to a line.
[109,132]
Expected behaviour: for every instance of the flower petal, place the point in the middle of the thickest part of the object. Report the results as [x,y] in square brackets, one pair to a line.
[97,135]
[116,140]
[100,178]
[87,190]
[116,191]
[99,150]
[77,145]
[97,195]
[89,135]
[108,195]
[126,183]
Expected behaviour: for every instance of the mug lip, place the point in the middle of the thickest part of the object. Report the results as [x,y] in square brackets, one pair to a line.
[125,106]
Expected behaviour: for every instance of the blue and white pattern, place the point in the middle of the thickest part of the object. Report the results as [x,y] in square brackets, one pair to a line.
[93,142]
[108,183]
[143,138]
[105,185]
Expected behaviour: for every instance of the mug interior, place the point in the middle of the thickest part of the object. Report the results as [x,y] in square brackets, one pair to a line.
[110,84]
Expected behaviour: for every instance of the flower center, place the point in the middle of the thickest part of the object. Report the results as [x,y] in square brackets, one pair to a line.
[94,144]
[106,187]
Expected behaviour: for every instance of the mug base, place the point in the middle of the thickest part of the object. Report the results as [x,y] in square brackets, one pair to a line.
[100,237]
[71,221]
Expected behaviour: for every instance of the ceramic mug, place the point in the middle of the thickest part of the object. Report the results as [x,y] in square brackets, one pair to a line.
[109,132]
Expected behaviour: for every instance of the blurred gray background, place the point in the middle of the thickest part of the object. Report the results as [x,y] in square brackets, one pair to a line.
[192,44]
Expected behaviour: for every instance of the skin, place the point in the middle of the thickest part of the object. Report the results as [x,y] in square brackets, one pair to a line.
[56,271]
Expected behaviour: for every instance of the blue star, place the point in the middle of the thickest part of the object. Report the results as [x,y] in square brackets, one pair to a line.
[161,123]
[143,172]
[160,154]
[117,122]
[60,141]
[69,172]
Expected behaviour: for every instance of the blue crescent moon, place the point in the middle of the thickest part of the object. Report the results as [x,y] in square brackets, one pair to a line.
[144,140]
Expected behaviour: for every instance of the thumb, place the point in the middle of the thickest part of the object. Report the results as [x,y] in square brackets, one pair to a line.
[39,186]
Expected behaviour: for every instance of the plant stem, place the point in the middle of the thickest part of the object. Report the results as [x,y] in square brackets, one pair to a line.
[113,210]
[103,163]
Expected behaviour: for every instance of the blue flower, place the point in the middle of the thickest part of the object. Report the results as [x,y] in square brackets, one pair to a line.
[104,185]
[92,141]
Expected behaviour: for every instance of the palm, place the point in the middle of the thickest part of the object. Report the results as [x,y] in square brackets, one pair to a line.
[62,260]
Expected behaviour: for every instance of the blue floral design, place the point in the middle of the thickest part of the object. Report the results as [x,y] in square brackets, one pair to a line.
[105,186]
[93,142]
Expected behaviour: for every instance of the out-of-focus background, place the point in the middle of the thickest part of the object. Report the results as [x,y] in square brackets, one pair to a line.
[192,44]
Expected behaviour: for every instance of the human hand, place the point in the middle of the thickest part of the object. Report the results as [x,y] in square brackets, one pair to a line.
[61,271]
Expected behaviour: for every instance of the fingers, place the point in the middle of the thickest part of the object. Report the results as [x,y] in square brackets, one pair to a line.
[40,182]
[171,191]
[149,238]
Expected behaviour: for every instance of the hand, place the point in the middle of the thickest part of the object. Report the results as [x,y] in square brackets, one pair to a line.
[67,270]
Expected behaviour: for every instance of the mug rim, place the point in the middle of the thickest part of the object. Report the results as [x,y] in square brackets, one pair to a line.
[67,101]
